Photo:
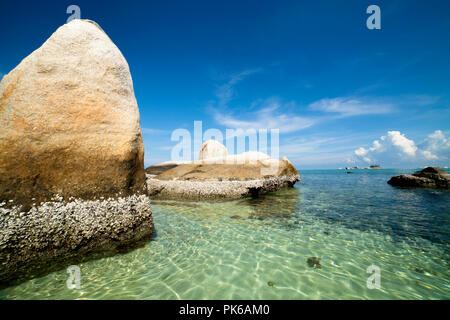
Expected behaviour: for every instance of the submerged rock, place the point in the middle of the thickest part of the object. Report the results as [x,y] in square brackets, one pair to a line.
[314,262]
[69,128]
[430,177]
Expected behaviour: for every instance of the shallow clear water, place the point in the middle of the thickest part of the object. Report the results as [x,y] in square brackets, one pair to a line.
[258,248]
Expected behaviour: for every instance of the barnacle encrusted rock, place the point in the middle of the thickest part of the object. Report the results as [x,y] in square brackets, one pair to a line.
[69,134]
[62,229]
[221,176]
[215,189]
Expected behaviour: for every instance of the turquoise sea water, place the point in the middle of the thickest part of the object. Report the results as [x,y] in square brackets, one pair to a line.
[258,248]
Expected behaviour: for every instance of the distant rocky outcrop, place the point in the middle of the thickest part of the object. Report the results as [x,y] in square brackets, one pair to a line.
[224,176]
[70,129]
[430,177]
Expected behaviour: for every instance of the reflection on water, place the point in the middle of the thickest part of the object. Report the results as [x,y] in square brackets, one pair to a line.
[272,247]
[280,205]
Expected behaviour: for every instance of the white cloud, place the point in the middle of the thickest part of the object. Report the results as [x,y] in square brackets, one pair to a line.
[273,114]
[436,143]
[226,91]
[320,149]
[348,106]
[420,100]
[399,141]
[268,117]
[361,152]
[356,106]
[395,147]
[428,155]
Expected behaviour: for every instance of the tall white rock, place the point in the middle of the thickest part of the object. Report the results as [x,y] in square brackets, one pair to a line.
[212,149]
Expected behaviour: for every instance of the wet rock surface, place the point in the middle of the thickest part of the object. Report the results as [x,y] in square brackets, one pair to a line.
[430,177]
[197,190]
[70,129]
[59,227]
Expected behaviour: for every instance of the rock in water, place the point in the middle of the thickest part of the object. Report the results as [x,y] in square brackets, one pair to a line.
[217,175]
[69,127]
[430,177]
[212,149]
[69,121]
[314,262]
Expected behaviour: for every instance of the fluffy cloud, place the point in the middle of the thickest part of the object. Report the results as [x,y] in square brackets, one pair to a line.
[395,147]
[436,143]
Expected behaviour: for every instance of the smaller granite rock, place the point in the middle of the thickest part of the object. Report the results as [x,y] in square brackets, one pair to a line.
[217,175]
[212,149]
[430,177]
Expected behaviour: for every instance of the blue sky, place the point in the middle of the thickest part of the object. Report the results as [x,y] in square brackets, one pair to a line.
[340,94]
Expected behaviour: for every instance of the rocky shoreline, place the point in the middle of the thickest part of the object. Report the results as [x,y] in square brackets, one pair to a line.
[218,175]
[59,228]
[225,190]
[72,179]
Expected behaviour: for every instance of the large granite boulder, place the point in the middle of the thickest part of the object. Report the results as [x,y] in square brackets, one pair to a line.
[71,152]
[430,177]
[249,174]
[227,171]
[69,121]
